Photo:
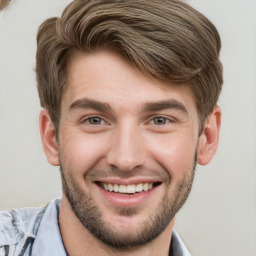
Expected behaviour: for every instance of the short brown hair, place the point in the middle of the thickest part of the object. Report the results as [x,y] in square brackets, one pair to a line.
[167,39]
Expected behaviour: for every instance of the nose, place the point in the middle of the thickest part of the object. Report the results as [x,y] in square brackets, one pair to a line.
[127,149]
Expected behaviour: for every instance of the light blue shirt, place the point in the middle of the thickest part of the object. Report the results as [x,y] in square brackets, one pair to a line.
[35,231]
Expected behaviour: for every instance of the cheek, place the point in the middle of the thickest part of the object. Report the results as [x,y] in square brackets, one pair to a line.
[174,153]
[79,151]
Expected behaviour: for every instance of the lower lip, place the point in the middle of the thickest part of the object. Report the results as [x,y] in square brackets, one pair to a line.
[127,200]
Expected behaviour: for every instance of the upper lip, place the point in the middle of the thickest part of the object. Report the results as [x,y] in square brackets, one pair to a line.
[129,181]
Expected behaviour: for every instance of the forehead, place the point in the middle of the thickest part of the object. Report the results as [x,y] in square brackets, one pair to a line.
[105,76]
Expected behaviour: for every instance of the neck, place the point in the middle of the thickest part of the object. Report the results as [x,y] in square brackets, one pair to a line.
[77,238]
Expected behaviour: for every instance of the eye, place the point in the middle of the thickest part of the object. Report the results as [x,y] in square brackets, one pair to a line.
[95,120]
[94,124]
[160,120]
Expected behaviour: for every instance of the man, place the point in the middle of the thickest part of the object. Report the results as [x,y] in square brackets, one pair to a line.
[129,92]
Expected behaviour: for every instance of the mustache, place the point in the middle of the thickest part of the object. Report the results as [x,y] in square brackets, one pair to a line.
[96,174]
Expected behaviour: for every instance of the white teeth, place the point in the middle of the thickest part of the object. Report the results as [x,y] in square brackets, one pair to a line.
[110,187]
[129,189]
[145,187]
[122,189]
[116,188]
[139,187]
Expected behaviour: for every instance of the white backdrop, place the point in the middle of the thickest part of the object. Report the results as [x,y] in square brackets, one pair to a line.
[219,218]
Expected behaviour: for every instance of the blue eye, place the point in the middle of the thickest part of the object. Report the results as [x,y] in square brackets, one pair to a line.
[160,120]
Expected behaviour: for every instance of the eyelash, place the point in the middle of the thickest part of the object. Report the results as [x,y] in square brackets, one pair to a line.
[165,119]
[151,121]
[87,120]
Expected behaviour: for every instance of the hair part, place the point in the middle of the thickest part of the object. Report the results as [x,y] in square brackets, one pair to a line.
[167,40]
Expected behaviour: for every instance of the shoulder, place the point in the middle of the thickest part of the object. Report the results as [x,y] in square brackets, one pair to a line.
[18,223]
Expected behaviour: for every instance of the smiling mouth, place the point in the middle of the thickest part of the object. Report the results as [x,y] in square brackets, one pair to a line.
[128,189]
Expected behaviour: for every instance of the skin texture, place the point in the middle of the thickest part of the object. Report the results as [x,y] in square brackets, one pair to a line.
[118,126]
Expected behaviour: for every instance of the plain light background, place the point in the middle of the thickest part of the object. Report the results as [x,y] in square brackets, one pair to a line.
[219,218]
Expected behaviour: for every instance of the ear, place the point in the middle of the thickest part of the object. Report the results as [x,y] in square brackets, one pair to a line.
[48,137]
[209,139]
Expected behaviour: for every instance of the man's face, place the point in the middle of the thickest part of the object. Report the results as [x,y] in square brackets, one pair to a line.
[127,146]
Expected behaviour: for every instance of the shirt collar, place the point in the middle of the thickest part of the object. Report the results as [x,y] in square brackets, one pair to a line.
[48,240]
[177,246]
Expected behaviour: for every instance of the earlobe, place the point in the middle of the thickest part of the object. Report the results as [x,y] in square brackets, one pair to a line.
[48,137]
[209,139]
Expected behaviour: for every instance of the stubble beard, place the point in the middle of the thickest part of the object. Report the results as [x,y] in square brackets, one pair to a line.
[87,211]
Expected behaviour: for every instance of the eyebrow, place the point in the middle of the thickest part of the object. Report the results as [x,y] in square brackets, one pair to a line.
[90,103]
[165,104]
[86,103]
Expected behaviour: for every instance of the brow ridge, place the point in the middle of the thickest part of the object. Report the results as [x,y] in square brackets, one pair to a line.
[86,103]
[165,104]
